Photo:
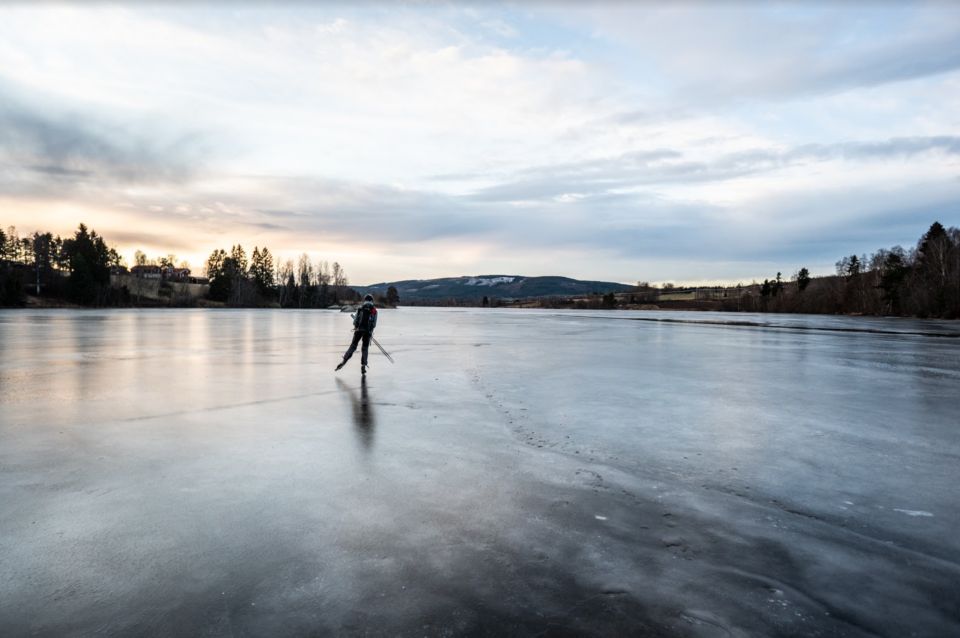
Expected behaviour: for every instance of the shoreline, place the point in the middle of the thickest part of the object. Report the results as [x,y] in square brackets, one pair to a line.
[40,303]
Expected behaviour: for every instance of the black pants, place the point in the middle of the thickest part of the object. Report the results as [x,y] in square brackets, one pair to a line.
[357,336]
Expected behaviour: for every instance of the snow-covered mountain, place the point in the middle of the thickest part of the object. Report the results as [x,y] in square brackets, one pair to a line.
[499,286]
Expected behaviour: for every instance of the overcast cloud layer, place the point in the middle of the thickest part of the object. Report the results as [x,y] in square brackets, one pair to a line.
[622,142]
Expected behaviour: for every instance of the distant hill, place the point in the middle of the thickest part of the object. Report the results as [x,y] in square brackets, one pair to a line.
[499,286]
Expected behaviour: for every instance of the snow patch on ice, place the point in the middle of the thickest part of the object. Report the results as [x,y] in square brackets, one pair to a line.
[912,512]
[600,518]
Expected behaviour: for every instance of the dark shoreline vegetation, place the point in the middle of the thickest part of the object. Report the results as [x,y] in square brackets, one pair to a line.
[923,281]
[82,270]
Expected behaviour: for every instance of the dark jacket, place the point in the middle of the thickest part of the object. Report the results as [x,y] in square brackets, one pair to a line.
[366,317]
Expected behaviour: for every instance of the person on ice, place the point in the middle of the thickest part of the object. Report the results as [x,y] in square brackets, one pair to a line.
[363,324]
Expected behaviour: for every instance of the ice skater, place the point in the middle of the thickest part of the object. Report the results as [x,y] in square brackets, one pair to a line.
[363,324]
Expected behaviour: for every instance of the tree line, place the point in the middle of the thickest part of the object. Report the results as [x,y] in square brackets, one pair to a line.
[237,281]
[75,268]
[922,281]
[78,269]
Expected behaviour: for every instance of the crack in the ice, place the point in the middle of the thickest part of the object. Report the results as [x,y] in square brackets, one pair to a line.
[835,523]
[834,612]
[216,408]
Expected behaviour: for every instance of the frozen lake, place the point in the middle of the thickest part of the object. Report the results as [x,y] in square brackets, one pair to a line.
[203,472]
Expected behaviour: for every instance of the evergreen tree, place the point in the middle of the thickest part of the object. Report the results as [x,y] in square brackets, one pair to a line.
[25,251]
[89,266]
[928,242]
[42,258]
[255,266]
[893,271]
[239,259]
[13,245]
[931,269]
[261,271]
[11,287]
[393,297]
[803,279]
[221,281]
[266,264]
[60,257]
[853,266]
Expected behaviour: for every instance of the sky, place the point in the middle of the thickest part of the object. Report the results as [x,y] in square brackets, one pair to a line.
[684,142]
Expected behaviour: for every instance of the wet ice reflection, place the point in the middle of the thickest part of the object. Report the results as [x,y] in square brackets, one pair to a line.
[364,420]
[555,456]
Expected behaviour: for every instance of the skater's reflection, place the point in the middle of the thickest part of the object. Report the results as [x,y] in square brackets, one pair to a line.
[364,421]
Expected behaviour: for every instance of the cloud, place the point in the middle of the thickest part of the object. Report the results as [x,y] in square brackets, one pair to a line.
[357,211]
[45,149]
[666,166]
[170,242]
[730,51]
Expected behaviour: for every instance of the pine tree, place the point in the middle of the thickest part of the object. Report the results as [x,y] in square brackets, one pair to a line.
[893,271]
[221,281]
[239,259]
[266,266]
[89,266]
[12,244]
[261,271]
[931,268]
[255,263]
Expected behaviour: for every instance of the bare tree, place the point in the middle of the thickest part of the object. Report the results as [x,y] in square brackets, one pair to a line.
[286,277]
[305,279]
[323,273]
[339,276]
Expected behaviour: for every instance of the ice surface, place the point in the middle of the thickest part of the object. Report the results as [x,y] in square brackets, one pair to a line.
[516,472]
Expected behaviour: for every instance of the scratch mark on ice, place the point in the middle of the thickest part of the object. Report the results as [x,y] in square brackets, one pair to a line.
[912,512]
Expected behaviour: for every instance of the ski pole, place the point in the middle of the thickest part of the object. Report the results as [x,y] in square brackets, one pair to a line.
[377,343]
[385,353]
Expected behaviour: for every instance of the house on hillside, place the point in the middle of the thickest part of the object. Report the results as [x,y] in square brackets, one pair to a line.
[147,272]
[166,273]
[701,293]
[176,274]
